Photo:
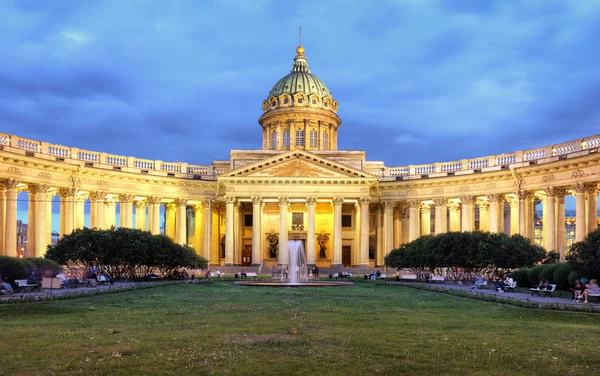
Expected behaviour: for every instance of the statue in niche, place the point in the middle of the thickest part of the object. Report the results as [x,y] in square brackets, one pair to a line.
[322,240]
[222,247]
[372,242]
[273,240]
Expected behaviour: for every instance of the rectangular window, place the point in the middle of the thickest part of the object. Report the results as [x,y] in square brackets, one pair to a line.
[273,140]
[325,141]
[313,139]
[346,221]
[286,139]
[299,138]
[297,218]
[248,220]
[300,100]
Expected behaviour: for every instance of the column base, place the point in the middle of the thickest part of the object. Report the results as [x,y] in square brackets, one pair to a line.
[336,266]
[255,265]
[229,264]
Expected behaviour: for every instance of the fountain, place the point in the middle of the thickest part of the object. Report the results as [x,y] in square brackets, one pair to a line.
[295,272]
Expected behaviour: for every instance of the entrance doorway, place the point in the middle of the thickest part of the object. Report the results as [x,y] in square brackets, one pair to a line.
[247,255]
[347,256]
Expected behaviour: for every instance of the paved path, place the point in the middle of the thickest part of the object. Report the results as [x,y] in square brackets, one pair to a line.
[523,294]
[45,292]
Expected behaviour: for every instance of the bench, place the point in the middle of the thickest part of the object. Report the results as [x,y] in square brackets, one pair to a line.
[597,296]
[218,274]
[382,276]
[22,285]
[409,277]
[248,274]
[482,284]
[437,278]
[537,290]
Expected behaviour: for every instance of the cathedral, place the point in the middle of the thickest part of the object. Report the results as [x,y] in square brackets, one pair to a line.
[348,211]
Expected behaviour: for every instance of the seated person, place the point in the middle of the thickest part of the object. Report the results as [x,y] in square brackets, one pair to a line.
[63,280]
[207,274]
[5,286]
[33,279]
[578,290]
[478,282]
[508,281]
[592,288]
[107,277]
[544,285]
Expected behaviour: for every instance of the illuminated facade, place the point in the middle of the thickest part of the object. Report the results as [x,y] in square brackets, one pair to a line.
[349,211]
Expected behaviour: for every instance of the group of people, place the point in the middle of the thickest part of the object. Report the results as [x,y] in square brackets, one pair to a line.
[581,291]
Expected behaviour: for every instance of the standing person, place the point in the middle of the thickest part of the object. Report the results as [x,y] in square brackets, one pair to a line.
[93,275]
[316,272]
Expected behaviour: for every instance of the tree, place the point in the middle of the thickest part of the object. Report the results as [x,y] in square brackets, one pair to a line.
[585,255]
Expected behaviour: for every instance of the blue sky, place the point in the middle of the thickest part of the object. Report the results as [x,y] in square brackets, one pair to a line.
[416,81]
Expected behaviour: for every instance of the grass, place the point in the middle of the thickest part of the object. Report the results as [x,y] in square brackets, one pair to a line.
[221,329]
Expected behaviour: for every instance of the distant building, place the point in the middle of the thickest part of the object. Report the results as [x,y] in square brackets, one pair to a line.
[21,239]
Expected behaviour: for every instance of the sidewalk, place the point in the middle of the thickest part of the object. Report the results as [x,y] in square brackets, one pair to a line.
[519,295]
[46,292]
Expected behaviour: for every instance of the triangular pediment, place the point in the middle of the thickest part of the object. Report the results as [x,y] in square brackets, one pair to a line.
[297,164]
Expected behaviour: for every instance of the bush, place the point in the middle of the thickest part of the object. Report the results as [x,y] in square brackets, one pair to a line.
[534,275]
[574,275]
[12,268]
[561,275]
[585,255]
[520,276]
[45,267]
[547,272]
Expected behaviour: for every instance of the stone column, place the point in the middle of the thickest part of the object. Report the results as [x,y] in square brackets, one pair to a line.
[580,225]
[502,213]
[404,225]
[207,238]
[356,235]
[126,210]
[467,213]
[198,228]
[10,224]
[484,215]
[494,200]
[388,229]
[80,211]
[514,215]
[337,231]
[40,221]
[110,213]
[229,232]
[364,231]
[97,209]
[311,233]
[170,219]
[379,233]
[67,210]
[413,218]
[283,229]
[190,225]
[237,233]
[441,225]
[561,232]
[522,207]
[529,216]
[425,219]
[397,228]
[454,208]
[550,220]
[2,217]
[592,221]
[256,223]
[140,215]
[49,196]
[154,215]
[32,217]
[180,221]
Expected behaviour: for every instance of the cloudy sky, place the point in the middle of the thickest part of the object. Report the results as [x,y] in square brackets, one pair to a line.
[417,81]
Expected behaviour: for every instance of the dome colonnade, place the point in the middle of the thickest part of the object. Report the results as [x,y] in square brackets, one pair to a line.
[348,210]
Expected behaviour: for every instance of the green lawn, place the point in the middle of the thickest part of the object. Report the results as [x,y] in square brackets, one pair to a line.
[223,329]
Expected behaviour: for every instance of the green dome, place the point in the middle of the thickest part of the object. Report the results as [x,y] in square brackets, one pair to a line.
[300,80]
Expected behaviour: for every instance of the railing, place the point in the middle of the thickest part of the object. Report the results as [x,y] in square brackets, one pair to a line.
[37,148]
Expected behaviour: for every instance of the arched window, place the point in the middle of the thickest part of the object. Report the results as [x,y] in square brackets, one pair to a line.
[285,100]
[286,139]
[274,140]
[325,141]
[299,138]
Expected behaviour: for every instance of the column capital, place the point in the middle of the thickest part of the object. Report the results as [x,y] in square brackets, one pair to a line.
[483,204]
[525,195]
[283,200]
[140,204]
[169,206]
[208,203]
[80,198]
[311,201]
[33,188]
[153,200]
[66,192]
[9,183]
[585,187]
[389,205]
[467,200]
[125,198]
[230,200]
[414,203]
[97,196]
[425,208]
[199,208]
[513,201]
[556,192]
[453,206]
[110,203]
[256,200]
[364,201]
[440,201]
[338,201]
[495,198]
[180,202]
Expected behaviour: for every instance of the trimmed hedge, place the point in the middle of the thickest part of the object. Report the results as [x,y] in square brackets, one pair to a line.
[12,268]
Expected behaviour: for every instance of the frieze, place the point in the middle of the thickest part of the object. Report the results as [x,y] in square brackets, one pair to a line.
[464,188]
[547,178]
[131,186]
[437,191]
[14,170]
[103,183]
[156,188]
[45,175]
[578,174]
[491,186]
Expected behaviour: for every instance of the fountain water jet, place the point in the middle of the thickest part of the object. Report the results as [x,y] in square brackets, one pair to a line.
[297,272]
